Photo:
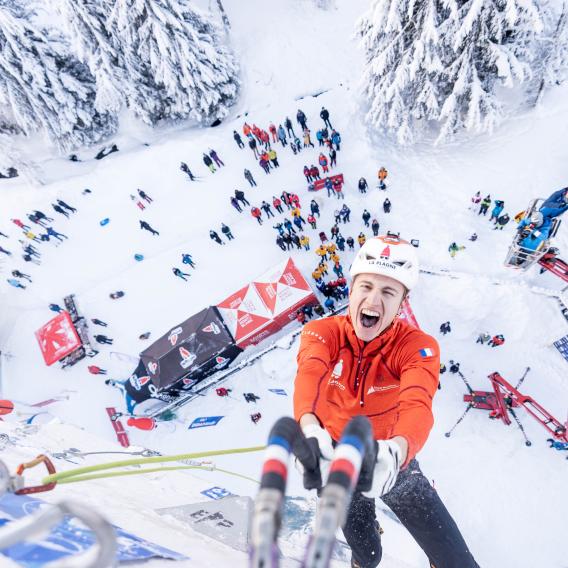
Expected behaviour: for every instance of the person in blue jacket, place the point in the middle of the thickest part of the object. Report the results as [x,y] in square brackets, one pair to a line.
[15,283]
[556,204]
[536,223]
[497,210]
[319,136]
[336,139]
[282,135]
[329,304]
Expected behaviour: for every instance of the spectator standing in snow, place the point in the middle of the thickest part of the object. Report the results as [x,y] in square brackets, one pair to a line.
[186,258]
[13,282]
[209,163]
[257,214]
[146,227]
[6,252]
[366,216]
[497,210]
[253,147]
[214,156]
[332,158]
[53,233]
[103,339]
[238,139]
[501,222]
[289,129]
[18,274]
[185,168]
[324,115]
[55,308]
[249,178]
[314,207]
[94,370]
[145,196]
[483,338]
[227,232]
[58,209]
[362,185]
[240,195]
[497,340]
[375,228]
[445,328]
[386,205]
[179,273]
[66,206]
[281,135]
[139,204]
[485,205]
[97,321]
[307,139]
[267,210]
[235,204]
[273,158]
[301,118]
[277,203]
[453,249]
[475,200]
[214,236]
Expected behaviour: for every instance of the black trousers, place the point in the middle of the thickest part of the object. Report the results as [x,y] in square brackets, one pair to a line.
[421,511]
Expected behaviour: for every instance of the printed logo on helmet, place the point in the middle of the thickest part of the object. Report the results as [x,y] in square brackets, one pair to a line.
[386,253]
[153,367]
[174,334]
[212,328]
[187,358]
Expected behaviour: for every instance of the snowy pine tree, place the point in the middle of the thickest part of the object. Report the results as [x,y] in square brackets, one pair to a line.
[178,64]
[442,60]
[43,87]
[85,23]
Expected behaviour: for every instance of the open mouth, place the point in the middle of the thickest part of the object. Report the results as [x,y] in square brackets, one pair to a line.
[369,318]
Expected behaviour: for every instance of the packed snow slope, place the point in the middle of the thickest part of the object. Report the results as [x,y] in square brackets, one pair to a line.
[502,494]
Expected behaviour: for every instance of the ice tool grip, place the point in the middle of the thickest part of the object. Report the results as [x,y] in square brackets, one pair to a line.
[36,488]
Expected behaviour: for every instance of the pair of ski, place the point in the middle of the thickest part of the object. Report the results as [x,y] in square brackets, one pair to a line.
[351,470]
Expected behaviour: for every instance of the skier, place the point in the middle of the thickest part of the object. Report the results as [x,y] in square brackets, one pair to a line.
[145,196]
[501,222]
[240,195]
[58,209]
[186,258]
[97,321]
[301,118]
[366,216]
[485,205]
[53,233]
[103,339]
[375,227]
[209,163]
[214,236]
[227,232]
[146,227]
[324,115]
[386,205]
[185,168]
[18,274]
[179,273]
[94,370]
[249,178]
[15,283]
[257,214]
[214,156]
[497,210]
[66,206]
[314,207]
[238,139]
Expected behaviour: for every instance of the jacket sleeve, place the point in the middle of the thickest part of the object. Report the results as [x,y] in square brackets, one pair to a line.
[314,358]
[419,377]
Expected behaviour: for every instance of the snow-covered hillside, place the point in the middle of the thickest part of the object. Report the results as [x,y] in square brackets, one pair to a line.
[502,494]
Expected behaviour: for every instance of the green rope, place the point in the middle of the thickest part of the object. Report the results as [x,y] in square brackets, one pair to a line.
[79,471]
[108,474]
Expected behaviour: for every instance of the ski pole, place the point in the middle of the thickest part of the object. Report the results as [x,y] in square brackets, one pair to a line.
[469,407]
[522,378]
[352,467]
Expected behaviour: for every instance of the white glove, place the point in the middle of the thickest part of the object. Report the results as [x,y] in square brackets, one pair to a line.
[386,469]
[323,438]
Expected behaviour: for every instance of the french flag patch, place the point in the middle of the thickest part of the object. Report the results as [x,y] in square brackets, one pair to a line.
[426,352]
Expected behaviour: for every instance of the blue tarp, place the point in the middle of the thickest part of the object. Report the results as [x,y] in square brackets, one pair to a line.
[69,538]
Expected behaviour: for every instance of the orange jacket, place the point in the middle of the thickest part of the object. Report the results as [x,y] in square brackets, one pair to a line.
[391,380]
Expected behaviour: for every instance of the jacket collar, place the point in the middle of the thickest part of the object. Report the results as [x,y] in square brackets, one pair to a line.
[361,347]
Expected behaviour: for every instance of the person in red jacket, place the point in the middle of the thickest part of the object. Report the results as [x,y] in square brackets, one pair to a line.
[323,163]
[277,203]
[272,129]
[94,370]
[257,214]
[369,362]
[314,172]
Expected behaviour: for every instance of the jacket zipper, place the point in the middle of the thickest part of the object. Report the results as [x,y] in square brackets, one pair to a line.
[362,399]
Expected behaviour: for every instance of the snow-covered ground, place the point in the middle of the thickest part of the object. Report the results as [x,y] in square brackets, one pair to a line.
[502,494]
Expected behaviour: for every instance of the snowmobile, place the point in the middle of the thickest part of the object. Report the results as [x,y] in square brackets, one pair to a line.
[521,257]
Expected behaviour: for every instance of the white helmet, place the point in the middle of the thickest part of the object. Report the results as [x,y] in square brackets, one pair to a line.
[537,218]
[388,256]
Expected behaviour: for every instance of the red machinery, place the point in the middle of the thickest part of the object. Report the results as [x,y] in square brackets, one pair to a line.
[556,265]
[503,399]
